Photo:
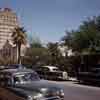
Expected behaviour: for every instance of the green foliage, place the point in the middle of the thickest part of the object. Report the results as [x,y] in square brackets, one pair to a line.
[19,38]
[35,42]
[86,38]
[53,49]
[37,54]
[55,56]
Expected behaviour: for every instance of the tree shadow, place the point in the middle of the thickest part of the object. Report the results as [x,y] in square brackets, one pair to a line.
[93,84]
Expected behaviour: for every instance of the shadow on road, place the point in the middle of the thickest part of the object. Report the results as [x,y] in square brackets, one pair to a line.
[88,84]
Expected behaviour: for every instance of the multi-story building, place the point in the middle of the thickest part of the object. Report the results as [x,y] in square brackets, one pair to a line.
[8,21]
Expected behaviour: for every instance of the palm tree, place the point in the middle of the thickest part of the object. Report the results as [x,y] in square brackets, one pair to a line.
[19,38]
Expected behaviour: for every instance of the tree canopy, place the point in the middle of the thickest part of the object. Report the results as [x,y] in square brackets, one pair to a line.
[86,38]
[19,38]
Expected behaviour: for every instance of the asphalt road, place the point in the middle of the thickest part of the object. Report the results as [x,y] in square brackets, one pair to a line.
[74,91]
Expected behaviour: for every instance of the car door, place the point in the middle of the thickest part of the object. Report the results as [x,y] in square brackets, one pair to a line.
[5,93]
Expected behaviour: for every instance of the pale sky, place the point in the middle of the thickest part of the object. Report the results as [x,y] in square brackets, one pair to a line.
[48,19]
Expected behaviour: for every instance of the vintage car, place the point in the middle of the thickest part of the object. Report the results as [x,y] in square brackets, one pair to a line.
[51,72]
[26,84]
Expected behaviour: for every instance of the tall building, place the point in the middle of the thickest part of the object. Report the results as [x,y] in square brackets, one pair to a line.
[8,21]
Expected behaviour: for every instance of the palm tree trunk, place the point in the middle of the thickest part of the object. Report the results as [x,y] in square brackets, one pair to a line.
[16,53]
[19,53]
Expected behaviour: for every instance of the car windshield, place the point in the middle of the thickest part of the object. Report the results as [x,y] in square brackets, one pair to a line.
[56,69]
[25,77]
[16,66]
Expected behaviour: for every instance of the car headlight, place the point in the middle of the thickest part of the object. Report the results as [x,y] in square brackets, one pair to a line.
[39,96]
[30,98]
[43,89]
[61,92]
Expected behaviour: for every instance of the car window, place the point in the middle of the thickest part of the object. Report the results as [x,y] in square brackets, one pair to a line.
[43,69]
[16,66]
[25,77]
[16,79]
[56,69]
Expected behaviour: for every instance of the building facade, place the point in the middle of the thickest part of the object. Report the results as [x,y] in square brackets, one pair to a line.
[8,54]
[8,21]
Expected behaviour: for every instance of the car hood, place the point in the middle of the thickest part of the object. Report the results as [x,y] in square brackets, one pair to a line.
[41,86]
[35,85]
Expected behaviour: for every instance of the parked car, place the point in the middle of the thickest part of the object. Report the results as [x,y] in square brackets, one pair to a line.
[51,72]
[26,84]
[91,76]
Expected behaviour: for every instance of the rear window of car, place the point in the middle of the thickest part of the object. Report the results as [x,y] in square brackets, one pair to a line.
[56,69]
[43,69]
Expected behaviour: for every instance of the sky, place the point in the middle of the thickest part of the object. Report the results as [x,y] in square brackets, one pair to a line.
[49,19]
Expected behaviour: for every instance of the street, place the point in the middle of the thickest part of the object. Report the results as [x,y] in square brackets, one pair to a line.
[74,91]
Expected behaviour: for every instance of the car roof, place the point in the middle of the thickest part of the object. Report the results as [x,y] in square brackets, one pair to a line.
[50,67]
[11,66]
[16,71]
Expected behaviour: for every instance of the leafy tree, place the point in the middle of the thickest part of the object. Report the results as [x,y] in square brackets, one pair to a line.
[86,38]
[37,54]
[35,42]
[19,38]
[54,54]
